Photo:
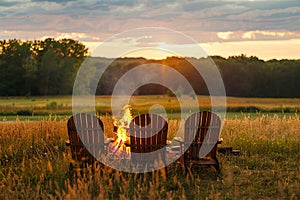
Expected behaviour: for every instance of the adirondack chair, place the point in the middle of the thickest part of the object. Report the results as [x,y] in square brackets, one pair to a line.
[201,131]
[148,134]
[84,128]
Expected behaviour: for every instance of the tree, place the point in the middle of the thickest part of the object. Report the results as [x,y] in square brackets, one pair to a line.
[39,67]
[15,56]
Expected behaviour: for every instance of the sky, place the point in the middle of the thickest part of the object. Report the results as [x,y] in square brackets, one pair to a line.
[267,29]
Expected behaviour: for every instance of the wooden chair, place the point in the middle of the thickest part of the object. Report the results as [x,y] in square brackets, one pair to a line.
[201,131]
[148,133]
[85,130]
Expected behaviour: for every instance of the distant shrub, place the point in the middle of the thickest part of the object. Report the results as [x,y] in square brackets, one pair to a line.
[52,105]
[24,112]
[170,93]
[176,93]
[251,109]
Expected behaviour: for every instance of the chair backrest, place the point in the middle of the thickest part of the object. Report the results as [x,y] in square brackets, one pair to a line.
[202,129]
[148,133]
[87,129]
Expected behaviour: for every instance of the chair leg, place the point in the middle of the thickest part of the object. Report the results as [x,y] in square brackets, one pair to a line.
[217,166]
[164,172]
[182,163]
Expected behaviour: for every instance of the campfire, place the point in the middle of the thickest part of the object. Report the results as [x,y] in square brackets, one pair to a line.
[118,149]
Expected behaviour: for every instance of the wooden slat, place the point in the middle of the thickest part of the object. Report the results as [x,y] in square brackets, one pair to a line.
[85,129]
[201,128]
[148,133]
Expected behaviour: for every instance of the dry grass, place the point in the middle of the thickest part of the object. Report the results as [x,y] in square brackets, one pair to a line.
[35,162]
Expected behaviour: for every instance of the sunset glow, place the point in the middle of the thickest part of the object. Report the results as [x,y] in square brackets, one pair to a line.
[266,29]
[266,50]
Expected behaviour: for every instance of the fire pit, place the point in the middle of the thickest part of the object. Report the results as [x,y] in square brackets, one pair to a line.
[120,148]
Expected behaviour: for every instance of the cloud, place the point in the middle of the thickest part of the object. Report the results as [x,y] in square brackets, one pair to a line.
[225,35]
[8,3]
[201,20]
[256,34]
[56,1]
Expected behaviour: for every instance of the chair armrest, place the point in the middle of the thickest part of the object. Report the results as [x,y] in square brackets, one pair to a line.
[220,141]
[181,143]
[179,139]
[68,143]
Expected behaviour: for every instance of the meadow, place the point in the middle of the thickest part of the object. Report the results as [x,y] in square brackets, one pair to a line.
[35,165]
[40,108]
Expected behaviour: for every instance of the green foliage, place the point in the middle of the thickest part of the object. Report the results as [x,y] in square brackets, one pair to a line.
[243,76]
[24,112]
[250,77]
[171,94]
[49,67]
[37,67]
[52,105]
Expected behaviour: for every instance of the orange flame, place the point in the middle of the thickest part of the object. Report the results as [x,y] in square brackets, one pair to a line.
[122,126]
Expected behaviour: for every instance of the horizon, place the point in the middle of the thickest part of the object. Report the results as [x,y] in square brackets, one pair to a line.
[280,50]
[210,49]
[226,56]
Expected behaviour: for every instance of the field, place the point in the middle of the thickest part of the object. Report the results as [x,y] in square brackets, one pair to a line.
[38,108]
[35,160]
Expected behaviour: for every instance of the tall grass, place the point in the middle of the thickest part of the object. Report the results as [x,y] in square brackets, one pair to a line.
[35,165]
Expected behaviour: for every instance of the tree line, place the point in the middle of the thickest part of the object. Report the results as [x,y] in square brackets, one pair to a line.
[49,67]
[251,77]
[40,67]
[242,76]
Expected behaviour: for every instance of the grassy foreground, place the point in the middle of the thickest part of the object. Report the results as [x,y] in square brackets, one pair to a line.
[35,161]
